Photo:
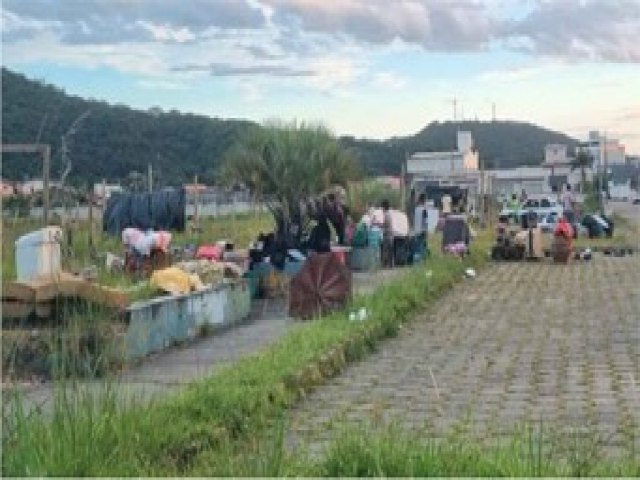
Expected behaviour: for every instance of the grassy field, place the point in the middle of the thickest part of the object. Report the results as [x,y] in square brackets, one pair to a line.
[231,410]
[232,422]
[240,229]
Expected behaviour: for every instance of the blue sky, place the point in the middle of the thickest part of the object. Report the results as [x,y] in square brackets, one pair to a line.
[370,68]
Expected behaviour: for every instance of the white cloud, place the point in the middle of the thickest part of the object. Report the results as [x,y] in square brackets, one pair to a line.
[389,80]
[166,33]
[333,72]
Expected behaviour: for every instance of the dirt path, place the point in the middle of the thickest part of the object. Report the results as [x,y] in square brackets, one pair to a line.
[520,343]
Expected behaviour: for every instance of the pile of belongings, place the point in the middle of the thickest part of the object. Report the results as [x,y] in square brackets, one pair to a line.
[142,243]
[176,281]
[456,235]
[506,246]
[193,275]
[597,225]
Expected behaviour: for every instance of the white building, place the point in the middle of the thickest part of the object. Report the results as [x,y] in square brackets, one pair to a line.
[604,150]
[30,187]
[533,180]
[561,168]
[103,191]
[464,159]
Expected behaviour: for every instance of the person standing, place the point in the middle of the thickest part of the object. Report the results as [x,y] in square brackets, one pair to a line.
[446,204]
[420,223]
[568,207]
[523,197]
[387,235]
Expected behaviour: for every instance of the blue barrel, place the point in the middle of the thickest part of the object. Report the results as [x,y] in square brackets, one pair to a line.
[374,236]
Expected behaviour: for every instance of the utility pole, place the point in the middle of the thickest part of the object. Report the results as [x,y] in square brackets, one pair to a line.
[196,215]
[606,172]
[150,177]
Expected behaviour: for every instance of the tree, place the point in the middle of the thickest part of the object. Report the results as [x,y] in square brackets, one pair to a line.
[583,160]
[286,165]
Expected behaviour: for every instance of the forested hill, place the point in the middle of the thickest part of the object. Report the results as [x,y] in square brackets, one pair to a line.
[502,144]
[114,140]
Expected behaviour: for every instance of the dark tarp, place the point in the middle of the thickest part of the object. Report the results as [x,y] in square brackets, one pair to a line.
[163,210]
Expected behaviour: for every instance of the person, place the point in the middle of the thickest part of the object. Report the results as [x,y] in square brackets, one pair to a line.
[568,206]
[563,239]
[387,235]
[420,223]
[523,197]
[514,203]
[337,215]
[350,229]
[446,204]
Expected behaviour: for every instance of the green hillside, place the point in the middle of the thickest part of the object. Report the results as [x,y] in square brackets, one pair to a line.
[115,140]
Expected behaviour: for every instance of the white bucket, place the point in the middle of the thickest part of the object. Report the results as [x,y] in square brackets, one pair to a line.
[38,254]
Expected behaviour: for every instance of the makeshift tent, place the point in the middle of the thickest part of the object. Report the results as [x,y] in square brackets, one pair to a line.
[163,210]
[322,285]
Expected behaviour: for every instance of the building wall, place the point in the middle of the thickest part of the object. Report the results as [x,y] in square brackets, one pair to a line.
[620,191]
[437,162]
[464,142]
[555,154]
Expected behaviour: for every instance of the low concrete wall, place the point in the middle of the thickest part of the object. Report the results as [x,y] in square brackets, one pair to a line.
[155,324]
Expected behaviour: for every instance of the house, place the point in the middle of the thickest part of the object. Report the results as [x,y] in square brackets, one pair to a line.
[533,180]
[8,188]
[464,159]
[622,179]
[103,191]
[30,187]
[561,167]
[193,188]
[604,150]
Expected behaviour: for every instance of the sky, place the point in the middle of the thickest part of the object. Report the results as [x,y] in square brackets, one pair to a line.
[368,68]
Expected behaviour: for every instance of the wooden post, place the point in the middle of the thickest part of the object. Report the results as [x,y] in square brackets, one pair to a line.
[90,221]
[196,201]
[46,158]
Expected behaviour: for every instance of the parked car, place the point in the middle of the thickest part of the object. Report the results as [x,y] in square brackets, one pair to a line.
[543,207]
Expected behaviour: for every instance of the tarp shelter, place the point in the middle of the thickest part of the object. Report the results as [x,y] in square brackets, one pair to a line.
[162,210]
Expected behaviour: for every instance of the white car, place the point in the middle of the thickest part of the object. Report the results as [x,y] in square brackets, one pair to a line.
[543,207]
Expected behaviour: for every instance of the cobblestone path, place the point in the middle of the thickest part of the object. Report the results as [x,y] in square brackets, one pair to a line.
[522,343]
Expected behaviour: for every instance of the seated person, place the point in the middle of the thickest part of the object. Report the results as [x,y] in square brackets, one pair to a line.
[320,238]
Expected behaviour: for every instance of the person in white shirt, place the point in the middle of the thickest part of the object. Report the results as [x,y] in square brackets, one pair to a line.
[446,204]
[420,223]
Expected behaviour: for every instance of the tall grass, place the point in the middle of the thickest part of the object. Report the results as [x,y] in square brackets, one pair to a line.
[394,453]
[238,228]
[227,410]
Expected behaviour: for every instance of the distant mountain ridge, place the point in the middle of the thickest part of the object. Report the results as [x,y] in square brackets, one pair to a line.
[115,139]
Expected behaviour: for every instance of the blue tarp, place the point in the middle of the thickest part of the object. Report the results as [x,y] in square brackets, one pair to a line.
[163,210]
